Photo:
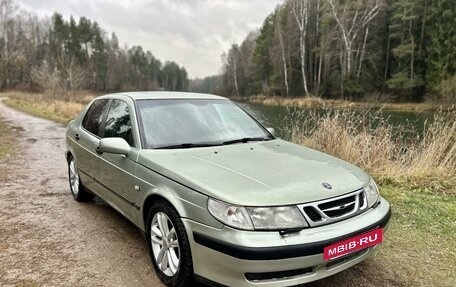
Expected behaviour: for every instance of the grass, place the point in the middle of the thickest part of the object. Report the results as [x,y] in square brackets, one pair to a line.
[7,140]
[313,102]
[7,147]
[419,249]
[58,107]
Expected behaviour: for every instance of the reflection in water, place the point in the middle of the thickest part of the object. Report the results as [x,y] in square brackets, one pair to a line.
[280,117]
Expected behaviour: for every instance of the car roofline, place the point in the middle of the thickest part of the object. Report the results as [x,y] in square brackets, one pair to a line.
[164,95]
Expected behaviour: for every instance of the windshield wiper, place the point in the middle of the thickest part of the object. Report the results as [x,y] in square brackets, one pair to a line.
[246,140]
[188,145]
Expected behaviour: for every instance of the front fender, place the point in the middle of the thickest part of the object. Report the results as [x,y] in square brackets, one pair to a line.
[189,203]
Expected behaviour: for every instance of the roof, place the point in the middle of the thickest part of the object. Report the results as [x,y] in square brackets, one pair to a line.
[161,95]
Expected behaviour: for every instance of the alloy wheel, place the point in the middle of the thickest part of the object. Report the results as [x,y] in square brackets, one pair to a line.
[74,178]
[165,244]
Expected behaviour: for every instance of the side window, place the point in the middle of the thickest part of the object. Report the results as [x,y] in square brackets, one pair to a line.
[118,123]
[94,116]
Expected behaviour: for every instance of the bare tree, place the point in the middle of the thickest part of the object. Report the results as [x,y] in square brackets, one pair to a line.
[363,51]
[77,76]
[46,79]
[282,50]
[231,66]
[320,52]
[351,18]
[300,10]
[234,60]
[8,36]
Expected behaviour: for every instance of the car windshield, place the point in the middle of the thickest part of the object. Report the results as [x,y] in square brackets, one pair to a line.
[179,123]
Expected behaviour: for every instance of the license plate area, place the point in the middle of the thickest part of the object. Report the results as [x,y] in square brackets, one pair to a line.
[353,244]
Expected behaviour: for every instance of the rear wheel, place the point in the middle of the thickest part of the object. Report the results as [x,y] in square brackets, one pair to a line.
[76,187]
[169,246]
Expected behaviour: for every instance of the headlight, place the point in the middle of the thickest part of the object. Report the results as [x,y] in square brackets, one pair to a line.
[263,218]
[276,218]
[371,191]
[231,215]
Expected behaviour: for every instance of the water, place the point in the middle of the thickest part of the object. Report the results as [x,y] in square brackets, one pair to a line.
[278,117]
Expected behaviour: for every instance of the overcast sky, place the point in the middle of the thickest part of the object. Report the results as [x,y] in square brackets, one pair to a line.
[194,33]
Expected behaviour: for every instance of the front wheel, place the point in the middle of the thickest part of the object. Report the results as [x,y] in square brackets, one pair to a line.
[76,187]
[169,246]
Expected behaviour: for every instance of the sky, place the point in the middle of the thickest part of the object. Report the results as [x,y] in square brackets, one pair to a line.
[193,33]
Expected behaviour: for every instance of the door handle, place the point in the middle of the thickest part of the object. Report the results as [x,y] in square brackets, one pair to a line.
[76,136]
[97,149]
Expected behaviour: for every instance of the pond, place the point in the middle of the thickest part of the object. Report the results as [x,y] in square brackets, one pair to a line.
[278,117]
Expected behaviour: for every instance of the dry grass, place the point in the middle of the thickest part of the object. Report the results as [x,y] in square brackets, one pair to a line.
[6,139]
[396,154]
[54,106]
[313,102]
[8,147]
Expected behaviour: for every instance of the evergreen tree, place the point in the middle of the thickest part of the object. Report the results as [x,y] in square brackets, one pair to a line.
[441,59]
[405,33]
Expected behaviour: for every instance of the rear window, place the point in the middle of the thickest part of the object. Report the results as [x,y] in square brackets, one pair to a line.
[94,116]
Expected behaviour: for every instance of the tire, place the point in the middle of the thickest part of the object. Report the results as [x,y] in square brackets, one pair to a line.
[77,189]
[176,267]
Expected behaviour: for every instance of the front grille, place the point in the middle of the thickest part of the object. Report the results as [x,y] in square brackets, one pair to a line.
[338,202]
[312,213]
[339,207]
[340,212]
[277,274]
[361,200]
[334,209]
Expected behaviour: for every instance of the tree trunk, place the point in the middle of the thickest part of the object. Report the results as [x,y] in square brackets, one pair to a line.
[317,42]
[387,58]
[235,75]
[301,18]
[362,53]
[282,49]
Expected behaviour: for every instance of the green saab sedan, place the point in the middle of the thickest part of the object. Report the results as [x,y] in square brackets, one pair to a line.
[217,196]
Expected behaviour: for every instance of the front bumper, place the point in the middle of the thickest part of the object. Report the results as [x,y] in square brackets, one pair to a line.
[233,257]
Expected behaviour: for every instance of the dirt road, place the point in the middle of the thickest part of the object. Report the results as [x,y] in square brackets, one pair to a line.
[48,239]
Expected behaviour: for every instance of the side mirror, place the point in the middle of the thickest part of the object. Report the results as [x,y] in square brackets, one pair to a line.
[271,131]
[114,145]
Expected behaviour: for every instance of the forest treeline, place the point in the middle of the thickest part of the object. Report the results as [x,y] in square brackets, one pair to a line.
[75,54]
[402,50]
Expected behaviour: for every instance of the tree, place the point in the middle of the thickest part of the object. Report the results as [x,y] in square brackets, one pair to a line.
[406,38]
[301,13]
[279,17]
[352,17]
[440,61]
[261,57]
[71,54]
[9,45]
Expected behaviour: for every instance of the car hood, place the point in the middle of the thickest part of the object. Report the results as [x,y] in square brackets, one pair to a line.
[267,173]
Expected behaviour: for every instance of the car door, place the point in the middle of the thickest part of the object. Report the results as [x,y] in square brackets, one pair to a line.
[87,137]
[116,172]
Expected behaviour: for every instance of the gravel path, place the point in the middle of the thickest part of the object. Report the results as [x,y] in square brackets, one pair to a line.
[49,239]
